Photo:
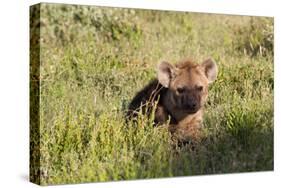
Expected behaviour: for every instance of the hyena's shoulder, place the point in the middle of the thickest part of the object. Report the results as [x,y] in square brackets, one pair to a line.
[146,97]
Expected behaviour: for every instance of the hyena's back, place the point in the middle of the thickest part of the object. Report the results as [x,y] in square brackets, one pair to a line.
[146,98]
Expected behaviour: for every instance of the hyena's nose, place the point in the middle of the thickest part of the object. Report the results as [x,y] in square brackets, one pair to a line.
[191,105]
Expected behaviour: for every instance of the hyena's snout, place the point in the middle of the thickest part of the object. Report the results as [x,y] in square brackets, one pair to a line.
[191,103]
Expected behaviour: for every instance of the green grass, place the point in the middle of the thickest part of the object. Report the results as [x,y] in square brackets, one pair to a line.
[94,60]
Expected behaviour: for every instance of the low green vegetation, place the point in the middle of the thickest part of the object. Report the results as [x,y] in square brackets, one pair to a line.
[94,60]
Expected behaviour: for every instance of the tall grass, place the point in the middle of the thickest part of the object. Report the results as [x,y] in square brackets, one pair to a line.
[92,62]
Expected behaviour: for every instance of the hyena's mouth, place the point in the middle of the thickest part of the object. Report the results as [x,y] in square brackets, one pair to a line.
[191,110]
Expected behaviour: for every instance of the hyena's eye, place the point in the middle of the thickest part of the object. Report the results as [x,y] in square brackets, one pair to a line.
[180,90]
[199,88]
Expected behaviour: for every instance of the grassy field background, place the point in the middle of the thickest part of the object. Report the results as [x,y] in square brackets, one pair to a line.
[92,62]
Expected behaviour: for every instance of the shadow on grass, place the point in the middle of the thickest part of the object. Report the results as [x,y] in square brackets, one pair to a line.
[226,153]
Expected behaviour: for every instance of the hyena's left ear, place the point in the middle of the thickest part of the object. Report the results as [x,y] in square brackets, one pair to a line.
[164,73]
[210,69]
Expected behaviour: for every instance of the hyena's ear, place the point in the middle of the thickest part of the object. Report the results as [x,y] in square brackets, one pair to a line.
[210,69]
[165,73]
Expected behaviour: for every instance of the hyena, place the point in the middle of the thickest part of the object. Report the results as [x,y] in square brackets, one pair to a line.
[177,95]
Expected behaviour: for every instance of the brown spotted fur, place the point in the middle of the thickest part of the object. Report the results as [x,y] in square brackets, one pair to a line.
[180,102]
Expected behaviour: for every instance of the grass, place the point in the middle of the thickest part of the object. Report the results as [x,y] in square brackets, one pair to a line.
[92,62]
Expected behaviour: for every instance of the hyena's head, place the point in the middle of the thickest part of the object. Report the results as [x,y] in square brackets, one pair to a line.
[187,83]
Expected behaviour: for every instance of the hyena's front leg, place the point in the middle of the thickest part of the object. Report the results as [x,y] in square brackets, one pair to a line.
[186,133]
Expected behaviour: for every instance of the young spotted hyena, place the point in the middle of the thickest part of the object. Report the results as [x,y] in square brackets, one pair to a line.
[177,95]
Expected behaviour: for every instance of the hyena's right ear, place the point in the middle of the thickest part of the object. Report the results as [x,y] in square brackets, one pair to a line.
[165,73]
[211,69]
